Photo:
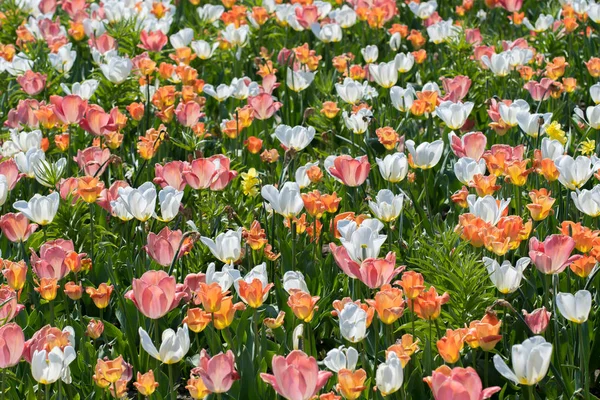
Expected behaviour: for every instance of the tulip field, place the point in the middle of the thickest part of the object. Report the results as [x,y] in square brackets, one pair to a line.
[299,199]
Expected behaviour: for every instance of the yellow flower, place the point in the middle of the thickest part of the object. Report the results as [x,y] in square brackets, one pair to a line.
[554,131]
[250,182]
[588,147]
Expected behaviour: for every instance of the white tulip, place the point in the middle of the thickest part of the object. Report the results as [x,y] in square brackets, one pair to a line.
[118,209]
[466,168]
[426,155]
[487,208]
[574,173]
[296,138]
[530,361]
[117,70]
[518,56]
[533,124]
[385,74]
[587,201]
[509,114]
[210,13]
[358,123]
[443,31]
[302,177]
[63,59]
[287,201]
[341,358]
[505,277]
[85,89]
[173,348]
[49,367]
[345,17]
[499,64]
[543,22]
[203,49]
[353,323]
[182,38]
[169,199]
[139,202]
[389,376]
[576,308]
[387,206]
[395,42]
[394,167]
[39,209]
[294,280]
[27,162]
[223,278]
[227,246]
[299,80]
[362,241]
[328,33]
[404,62]
[593,116]
[402,99]
[3,190]
[552,149]
[454,114]
[593,12]
[220,93]
[595,93]
[370,54]
[243,88]
[236,36]
[423,9]
[22,141]
[350,91]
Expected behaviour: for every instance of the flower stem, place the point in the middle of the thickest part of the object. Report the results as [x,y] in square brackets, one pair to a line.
[171,387]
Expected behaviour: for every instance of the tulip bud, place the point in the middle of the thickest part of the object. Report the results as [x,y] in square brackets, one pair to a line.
[274,323]
[538,320]
[94,329]
[145,384]
[47,288]
[73,290]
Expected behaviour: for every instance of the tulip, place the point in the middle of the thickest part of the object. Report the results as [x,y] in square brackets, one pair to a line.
[39,209]
[226,247]
[428,305]
[552,149]
[263,106]
[294,280]
[93,160]
[533,124]
[487,208]
[63,59]
[538,320]
[48,367]
[576,308]
[296,377]
[173,348]
[101,295]
[351,384]
[552,255]
[15,273]
[84,89]
[218,372]
[108,372]
[167,246]
[188,113]
[296,138]
[426,155]
[145,383]
[139,202]
[94,329]
[341,358]
[152,41]
[52,261]
[69,109]
[224,317]
[402,99]
[47,338]
[170,200]
[574,173]
[390,375]
[395,42]
[505,277]
[393,168]
[287,201]
[404,62]
[196,386]
[303,305]
[171,174]
[350,91]
[12,344]
[223,174]
[155,294]
[385,74]
[388,303]
[353,323]
[358,122]
[471,145]
[210,13]
[16,227]
[350,171]
[10,170]
[531,361]
[73,290]
[423,10]
[361,242]
[587,201]
[203,49]
[387,206]
[499,64]
[458,383]
[484,333]
[466,168]
[327,33]
[201,174]
[541,24]
[451,345]
[117,70]
[454,115]
[299,80]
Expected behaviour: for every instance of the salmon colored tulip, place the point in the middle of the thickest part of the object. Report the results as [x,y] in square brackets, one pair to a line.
[412,283]
[12,344]
[584,237]
[458,383]
[32,83]
[404,348]
[537,320]
[167,245]
[541,205]
[296,377]
[47,338]
[485,333]
[153,41]
[451,345]
[145,383]
[263,106]
[93,160]
[218,372]
[73,290]
[101,295]
[197,319]
[16,227]
[303,305]
[274,323]
[253,293]
[350,171]
[15,273]
[428,305]
[94,329]
[389,304]
[108,371]
[69,109]
[471,145]
[211,296]
[171,174]
[10,170]
[351,384]
[9,306]
[197,388]
[188,113]
[96,121]
[51,261]
[224,317]
[552,255]
[201,173]
[89,188]
[155,294]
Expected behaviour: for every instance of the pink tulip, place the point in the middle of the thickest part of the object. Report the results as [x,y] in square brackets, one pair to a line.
[263,106]
[188,113]
[191,283]
[155,294]
[31,82]
[67,188]
[511,5]
[297,376]
[171,174]
[16,227]
[12,343]
[520,43]
[69,109]
[343,260]
[269,84]
[95,120]
[110,194]
[25,113]
[473,36]
[471,145]
[539,90]
[458,383]
[307,15]
[218,373]
[538,320]
[480,51]
[456,88]
[48,6]
[9,306]
[553,255]
[223,175]
[201,173]
[74,7]
[163,247]
[11,172]
[376,272]
[104,43]
[351,171]
[93,160]
[153,41]
[51,261]
[494,110]
[47,338]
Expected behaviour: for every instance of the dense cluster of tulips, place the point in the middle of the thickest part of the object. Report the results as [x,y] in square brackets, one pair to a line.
[299,199]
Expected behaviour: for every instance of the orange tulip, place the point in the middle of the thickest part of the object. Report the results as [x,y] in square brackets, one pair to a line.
[351,384]
[108,371]
[460,197]
[484,333]
[15,273]
[94,328]
[73,290]
[274,323]
[451,345]
[145,383]
[389,304]
[517,172]
[583,266]
[197,319]
[211,296]
[47,288]
[541,205]
[197,388]
[585,238]
[593,67]
[89,188]
[404,348]
[484,185]
[471,228]
[428,305]
[256,236]
[330,109]
[253,293]
[303,305]
[101,295]
[224,317]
